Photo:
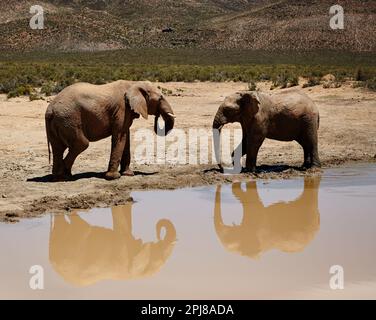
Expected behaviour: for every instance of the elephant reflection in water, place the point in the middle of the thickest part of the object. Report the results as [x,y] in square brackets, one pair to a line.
[84,254]
[287,226]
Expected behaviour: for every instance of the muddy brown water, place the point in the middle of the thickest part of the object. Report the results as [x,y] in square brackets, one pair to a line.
[265,239]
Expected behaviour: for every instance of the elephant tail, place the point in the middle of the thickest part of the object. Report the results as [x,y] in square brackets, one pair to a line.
[318,122]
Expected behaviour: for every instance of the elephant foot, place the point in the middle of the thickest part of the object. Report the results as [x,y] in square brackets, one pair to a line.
[316,164]
[306,166]
[248,170]
[112,175]
[127,173]
[61,178]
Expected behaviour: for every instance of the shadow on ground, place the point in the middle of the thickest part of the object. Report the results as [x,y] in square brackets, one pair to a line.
[81,176]
[260,169]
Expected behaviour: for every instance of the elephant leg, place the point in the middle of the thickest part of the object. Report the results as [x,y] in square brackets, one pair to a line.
[58,149]
[253,147]
[126,158]
[307,154]
[309,144]
[58,168]
[79,146]
[315,160]
[117,149]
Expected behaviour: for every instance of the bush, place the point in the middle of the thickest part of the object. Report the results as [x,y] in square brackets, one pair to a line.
[293,81]
[280,81]
[312,81]
[364,75]
[252,86]
[8,86]
[371,84]
[21,91]
[332,85]
[56,71]
[285,81]
[48,89]
[359,75]
[35,96]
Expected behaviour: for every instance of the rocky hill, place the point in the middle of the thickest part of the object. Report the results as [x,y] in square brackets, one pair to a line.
[274,25]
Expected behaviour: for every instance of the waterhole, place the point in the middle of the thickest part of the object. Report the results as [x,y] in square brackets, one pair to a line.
[259,239]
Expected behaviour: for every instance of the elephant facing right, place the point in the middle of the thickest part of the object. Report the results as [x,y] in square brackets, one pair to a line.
[286,116]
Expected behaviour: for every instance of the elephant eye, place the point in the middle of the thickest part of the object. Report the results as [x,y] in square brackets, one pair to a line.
[227,111]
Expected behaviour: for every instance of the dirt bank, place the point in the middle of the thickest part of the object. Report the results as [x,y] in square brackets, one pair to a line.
[347,133]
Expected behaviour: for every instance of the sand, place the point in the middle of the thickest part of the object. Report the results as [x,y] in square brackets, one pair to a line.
[347,134]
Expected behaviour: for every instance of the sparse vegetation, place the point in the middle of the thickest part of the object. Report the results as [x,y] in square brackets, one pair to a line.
[331,85]
[371,84]
[285,80]
[312,81]
[23,90]
[252,86]
[52,72]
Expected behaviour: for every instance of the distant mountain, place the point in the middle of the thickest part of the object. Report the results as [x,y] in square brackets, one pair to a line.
[273,25]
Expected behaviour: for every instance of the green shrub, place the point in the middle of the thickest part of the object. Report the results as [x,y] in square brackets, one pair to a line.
[359,75]
[293,81]
[252,86]
[48,89]
[21,91]
[312,81]
[280,81]
[371,84]
[55,71]
[332,84]
[8,86]
[35,96]
[12,94]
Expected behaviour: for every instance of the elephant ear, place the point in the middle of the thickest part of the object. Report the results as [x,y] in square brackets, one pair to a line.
[137,98]
[249,102]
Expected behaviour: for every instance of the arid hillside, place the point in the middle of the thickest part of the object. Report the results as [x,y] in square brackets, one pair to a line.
[272,25]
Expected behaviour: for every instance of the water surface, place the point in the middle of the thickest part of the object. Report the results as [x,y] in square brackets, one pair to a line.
[264,239]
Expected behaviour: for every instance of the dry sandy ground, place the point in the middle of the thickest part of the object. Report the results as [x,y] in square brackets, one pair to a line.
[347,133]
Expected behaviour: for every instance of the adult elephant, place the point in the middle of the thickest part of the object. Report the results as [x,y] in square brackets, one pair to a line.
[83,113]
[84,254]
[286,116]
[287,226]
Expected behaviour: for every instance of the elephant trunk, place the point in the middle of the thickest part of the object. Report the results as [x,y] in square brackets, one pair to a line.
[223,231]
[170,236]
[218,221]
[165,110]
[218,124]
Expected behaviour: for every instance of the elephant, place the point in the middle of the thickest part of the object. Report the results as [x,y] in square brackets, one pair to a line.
[285,116]
[84,113]
[84,254]
[287,226]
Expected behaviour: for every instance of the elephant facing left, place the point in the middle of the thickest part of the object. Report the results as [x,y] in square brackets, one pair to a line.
[286,226]
[84,113]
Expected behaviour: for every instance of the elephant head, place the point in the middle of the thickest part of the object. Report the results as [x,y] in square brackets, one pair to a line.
[144,99]
[240,107]
[287,226]
[84,254]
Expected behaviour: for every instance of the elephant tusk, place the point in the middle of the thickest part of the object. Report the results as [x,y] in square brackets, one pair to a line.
[171,115]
